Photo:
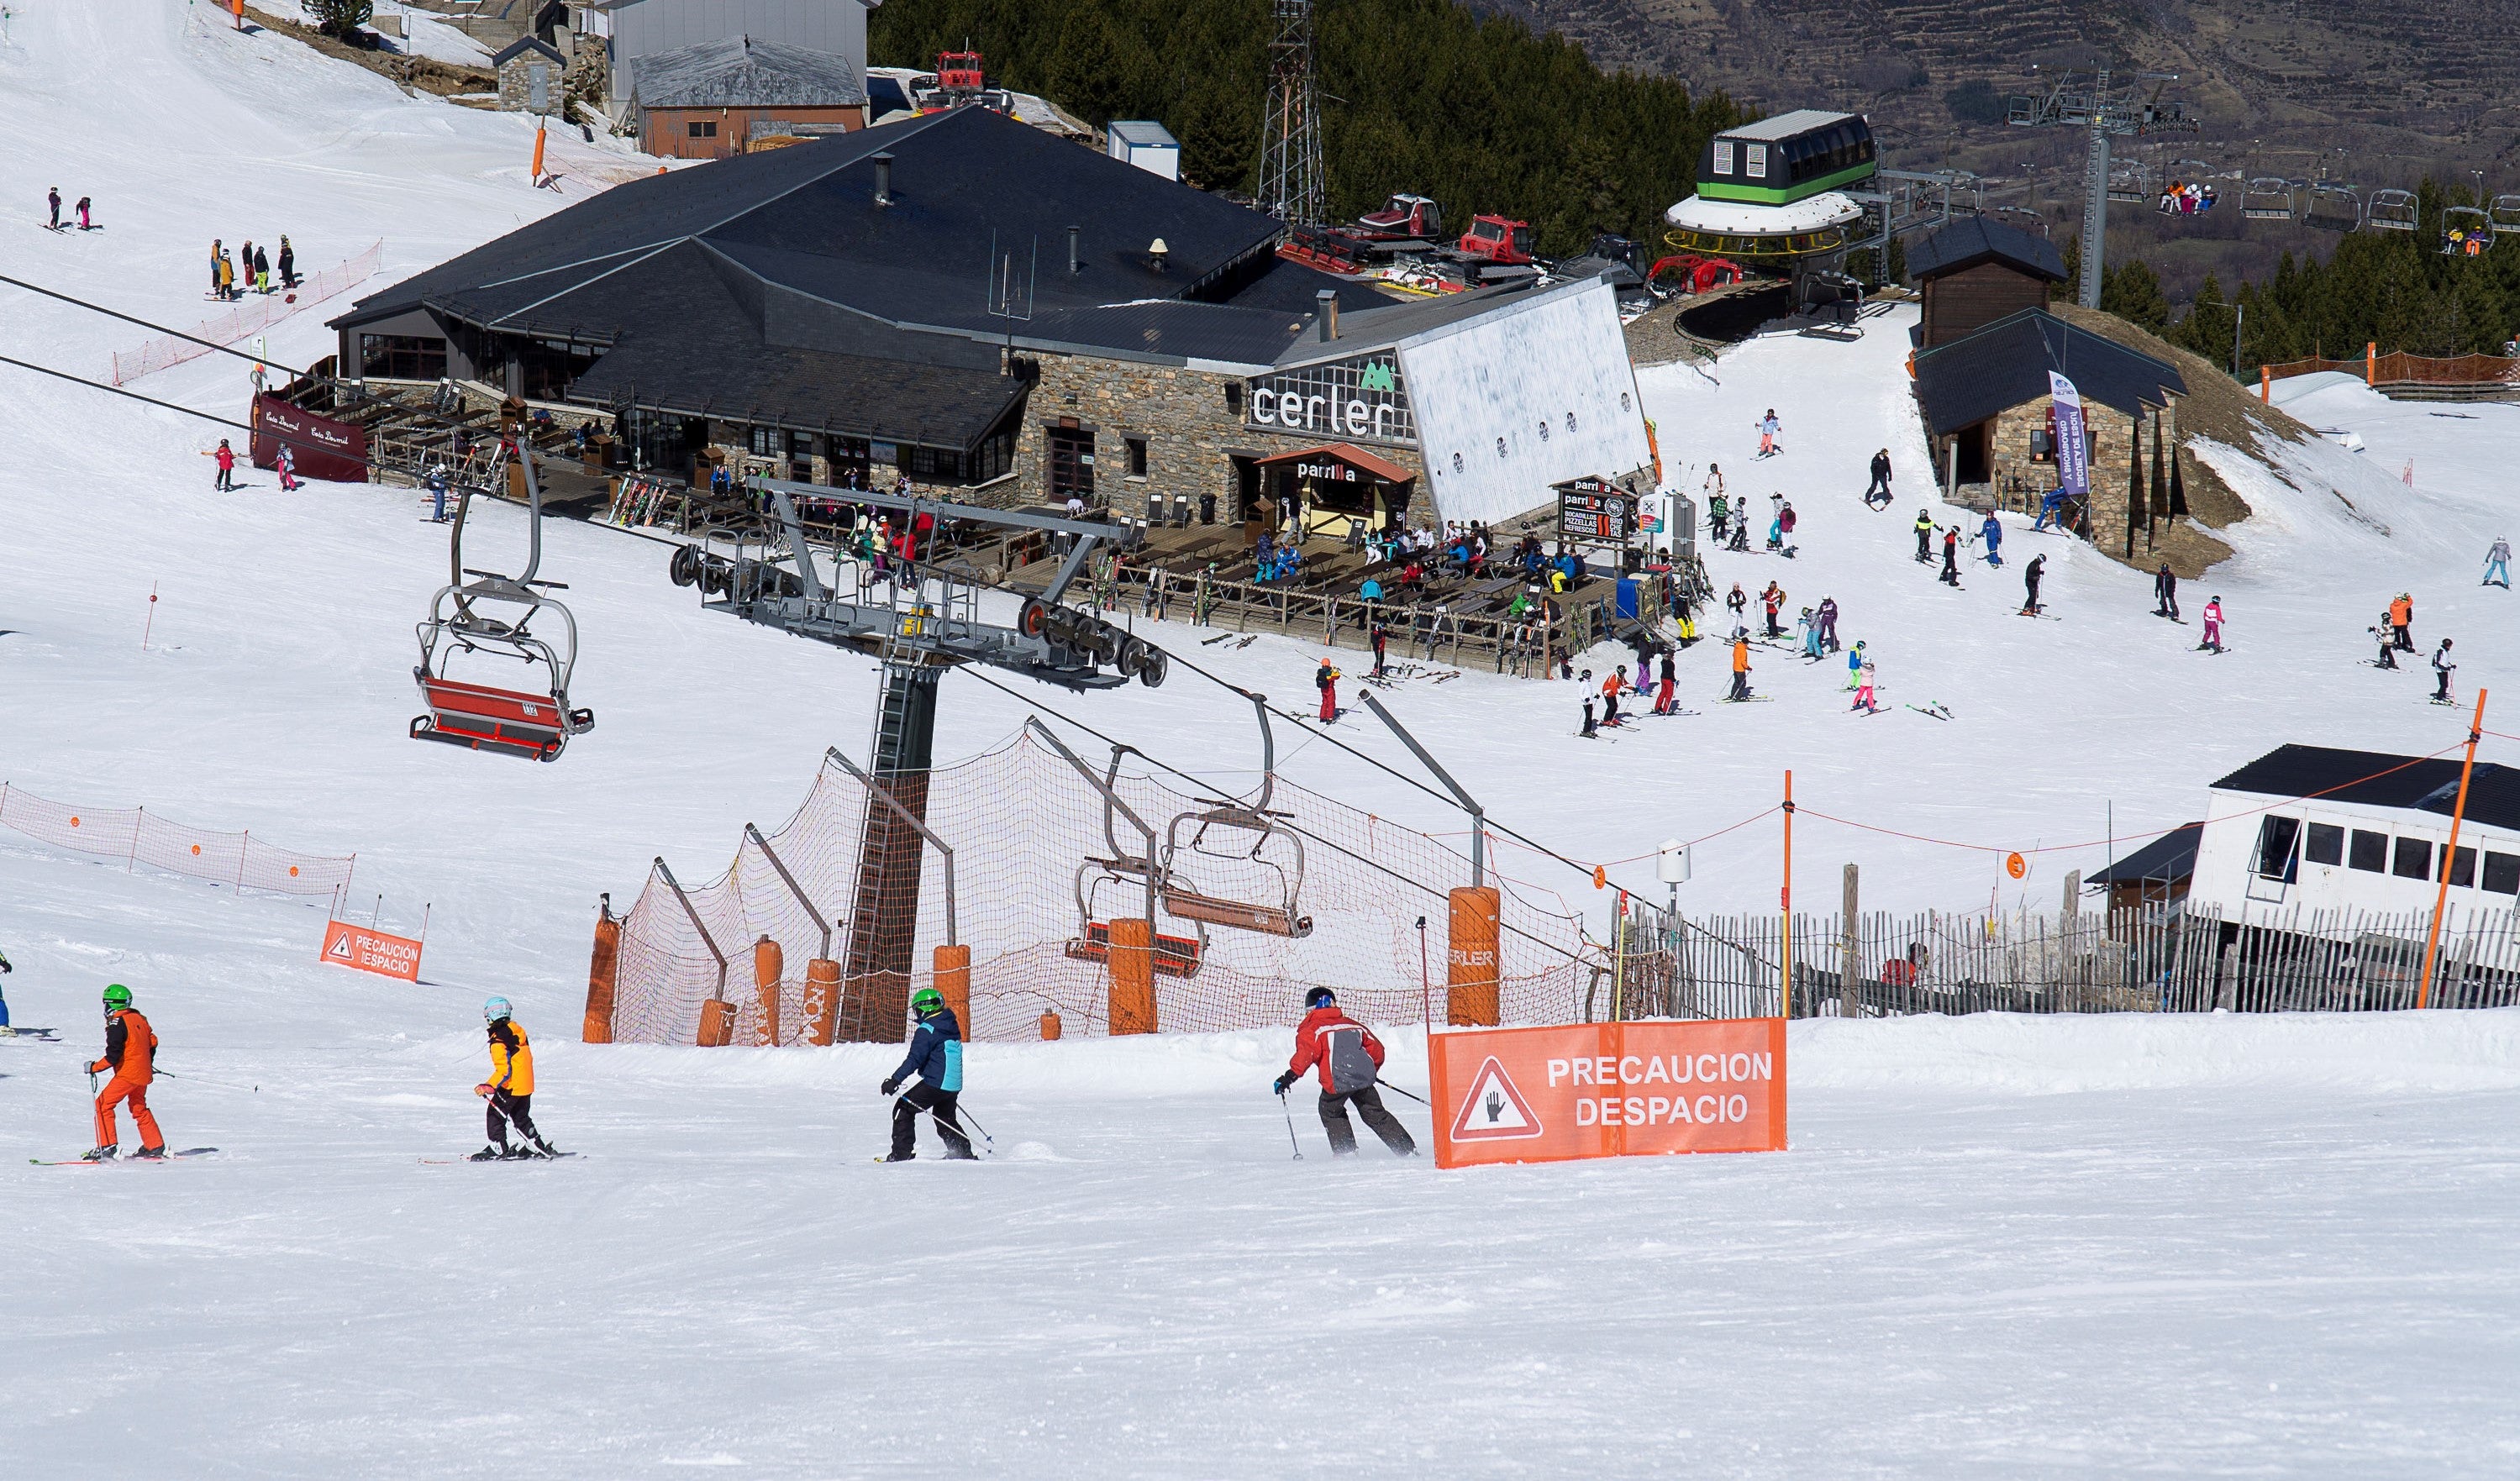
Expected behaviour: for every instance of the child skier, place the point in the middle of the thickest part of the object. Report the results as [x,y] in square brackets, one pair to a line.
[1592,727]
[130,1055]
[85,224]
[2382,634]
[510,1089]
[1809,625]
[936,1057]
[1768,428]
[1991,532]
[1326,679]
[2031,576]
[1863,692]
[1349,1060]
[1951,574]
[53,197]
[287,462]
[1924,528]
[2165,593]
[1855,661]
[2443,668]
[2213,625]
[225,457]
[2497,565]
[1772,598]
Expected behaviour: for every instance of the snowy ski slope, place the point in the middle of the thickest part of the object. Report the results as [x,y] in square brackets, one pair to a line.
[2000,1246]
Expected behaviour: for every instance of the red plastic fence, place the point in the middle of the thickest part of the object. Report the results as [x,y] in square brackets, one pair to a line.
[139,837]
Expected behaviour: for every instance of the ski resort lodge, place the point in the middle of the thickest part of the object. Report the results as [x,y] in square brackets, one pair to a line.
[2318,832]
[976,304]
[1986,344]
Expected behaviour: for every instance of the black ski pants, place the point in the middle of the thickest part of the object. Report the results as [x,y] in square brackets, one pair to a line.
[921,1100]
[2029,594]
[1369,1104]
[505,1108]
[1923,550]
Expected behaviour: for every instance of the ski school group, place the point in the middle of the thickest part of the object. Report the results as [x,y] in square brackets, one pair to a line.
[1342,1052]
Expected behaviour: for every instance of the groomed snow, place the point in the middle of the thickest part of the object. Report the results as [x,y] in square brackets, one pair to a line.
[2000,1246]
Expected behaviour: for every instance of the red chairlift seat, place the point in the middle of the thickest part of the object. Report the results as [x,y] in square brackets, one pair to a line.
[484,718]
[1175,956]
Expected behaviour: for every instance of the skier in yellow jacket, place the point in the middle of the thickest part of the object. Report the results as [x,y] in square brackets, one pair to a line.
[510,1089]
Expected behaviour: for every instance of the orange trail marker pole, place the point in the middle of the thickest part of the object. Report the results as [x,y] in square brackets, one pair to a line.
[537,171]
[2441,896]
[1786,907]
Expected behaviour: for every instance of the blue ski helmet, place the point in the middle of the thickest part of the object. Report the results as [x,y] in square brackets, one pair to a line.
[495,1010]
[1321,997]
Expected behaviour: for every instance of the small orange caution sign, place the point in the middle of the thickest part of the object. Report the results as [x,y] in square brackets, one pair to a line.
[371,950]
[1494,1110]
[1607,1089]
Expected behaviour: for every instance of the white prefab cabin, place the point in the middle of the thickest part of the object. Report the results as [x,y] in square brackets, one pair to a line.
[2306,831]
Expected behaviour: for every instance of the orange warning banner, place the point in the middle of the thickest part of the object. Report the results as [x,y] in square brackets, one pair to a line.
[1607,1089]
[371,950]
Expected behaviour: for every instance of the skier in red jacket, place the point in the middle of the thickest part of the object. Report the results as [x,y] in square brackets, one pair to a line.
[1349,1060]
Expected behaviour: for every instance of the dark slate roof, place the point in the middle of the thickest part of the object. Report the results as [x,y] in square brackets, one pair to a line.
[1967,380]
[716,362]
[971,188]
[1974,240]
[737,71]
[2171,856]
[2353,776]
[522,45]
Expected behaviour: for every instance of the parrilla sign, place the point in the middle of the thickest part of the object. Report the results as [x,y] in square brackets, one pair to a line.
[1363,397]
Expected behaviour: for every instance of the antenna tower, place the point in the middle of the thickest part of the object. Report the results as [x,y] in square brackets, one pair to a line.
[1290,130]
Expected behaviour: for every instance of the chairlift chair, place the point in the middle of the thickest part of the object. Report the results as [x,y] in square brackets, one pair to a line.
[493,614]
[2267,198]
[1174,956]
[2467,231]
[2333,207]
[2392,211]
[2131,181]
[2503,212]
[1217,833]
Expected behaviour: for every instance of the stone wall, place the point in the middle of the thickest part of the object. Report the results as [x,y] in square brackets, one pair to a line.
[1193,434]
[2009,458]
[516,88]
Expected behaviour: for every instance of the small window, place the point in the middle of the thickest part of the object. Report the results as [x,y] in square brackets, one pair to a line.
[1723,157]
[2462,867]
[2276,838]
[763,441]
[1137,456]
[2370,852]
[1758,156]
[2415,859]
[705,130]
[1234,397]
[2325,845]
[2503,873]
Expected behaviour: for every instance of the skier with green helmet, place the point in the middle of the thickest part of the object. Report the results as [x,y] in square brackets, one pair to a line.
[935,1057]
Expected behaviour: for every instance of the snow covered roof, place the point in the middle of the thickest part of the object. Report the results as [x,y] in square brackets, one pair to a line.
[1974,240]
[2377,779]
[737,71]
[1786,126]
[1967,380]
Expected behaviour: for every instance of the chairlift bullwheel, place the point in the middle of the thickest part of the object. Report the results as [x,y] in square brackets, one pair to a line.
[1033,618]
[685,566]
[1152,671]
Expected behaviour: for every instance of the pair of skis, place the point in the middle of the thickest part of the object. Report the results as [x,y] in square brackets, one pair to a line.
[190,1151]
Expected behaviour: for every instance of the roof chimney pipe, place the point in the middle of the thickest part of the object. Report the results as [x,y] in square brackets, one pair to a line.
[1075,262]
[884,178]
[1325,314]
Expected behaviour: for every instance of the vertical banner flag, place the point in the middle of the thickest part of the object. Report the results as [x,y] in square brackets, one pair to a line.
[2073,452]
[1608,1090]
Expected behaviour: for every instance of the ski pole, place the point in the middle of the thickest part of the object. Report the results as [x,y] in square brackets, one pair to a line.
[943,1125]
[1397,1091]
[1290,1127]
[199,1080]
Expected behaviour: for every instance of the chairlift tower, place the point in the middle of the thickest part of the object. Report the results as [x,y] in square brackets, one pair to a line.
[1292,187]
[2107,111]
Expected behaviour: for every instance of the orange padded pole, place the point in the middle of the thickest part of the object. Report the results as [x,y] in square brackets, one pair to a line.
[1132,956]
[1049,1026]
[822,999]
[1472,998]
[954,980]
[538,155]
[769,963]
[603,978]
[717,1024]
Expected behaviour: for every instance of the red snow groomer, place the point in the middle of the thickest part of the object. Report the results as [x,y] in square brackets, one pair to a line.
[1695,274]
[1496,240]
[959,76]
[1403,218]
[1324,249]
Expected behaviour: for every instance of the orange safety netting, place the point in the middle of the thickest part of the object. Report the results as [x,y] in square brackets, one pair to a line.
[139,837]
[247,318]
[2397,368]
[1024,827]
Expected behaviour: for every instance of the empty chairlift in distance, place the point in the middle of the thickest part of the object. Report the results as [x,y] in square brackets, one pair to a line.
[2332,207]
[2267,198]
[1246,846]
[2392,211]
[2503,212]
[492,615]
